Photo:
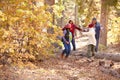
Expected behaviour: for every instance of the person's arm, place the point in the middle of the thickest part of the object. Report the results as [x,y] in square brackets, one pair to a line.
[78,28]
[99,28]
[86,33]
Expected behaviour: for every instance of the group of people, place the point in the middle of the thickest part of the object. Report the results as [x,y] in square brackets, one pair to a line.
[93,34]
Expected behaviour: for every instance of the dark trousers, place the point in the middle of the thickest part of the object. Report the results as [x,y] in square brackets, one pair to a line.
[67,49]
[73,44]
[97,44]
[91,50]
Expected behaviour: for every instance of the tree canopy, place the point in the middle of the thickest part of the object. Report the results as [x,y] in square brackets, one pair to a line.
[24,29]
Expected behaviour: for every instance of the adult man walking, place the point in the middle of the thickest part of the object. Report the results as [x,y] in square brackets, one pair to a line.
[97,32]
[73,27]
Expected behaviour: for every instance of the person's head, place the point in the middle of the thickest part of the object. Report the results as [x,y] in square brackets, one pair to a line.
[70,22]
[94,20]
[68,27]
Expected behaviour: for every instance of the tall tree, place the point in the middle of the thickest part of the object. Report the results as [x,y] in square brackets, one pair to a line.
[23,25]
[105,6]
[104,20]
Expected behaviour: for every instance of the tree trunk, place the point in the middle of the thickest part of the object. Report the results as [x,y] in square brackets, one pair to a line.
[104,21]
[76,18]
[109,56]
[62,19]
[51,2]
[76,15]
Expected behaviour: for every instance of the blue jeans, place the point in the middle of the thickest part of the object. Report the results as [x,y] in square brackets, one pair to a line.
[67,49]
[97,36]
[73,44]
[97,44]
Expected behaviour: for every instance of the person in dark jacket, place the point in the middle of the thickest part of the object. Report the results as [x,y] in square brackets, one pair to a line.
[73,27]
[97,32]
[66,39]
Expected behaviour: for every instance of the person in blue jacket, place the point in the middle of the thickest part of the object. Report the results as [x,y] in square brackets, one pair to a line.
[97,32]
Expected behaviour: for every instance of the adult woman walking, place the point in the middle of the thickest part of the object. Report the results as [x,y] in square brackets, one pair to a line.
[72,30]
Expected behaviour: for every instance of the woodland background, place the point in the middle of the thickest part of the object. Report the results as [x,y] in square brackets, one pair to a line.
[29,29]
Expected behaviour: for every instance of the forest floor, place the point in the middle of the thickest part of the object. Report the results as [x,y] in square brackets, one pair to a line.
[76,67]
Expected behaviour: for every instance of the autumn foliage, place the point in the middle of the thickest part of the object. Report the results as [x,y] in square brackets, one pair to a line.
[26,30]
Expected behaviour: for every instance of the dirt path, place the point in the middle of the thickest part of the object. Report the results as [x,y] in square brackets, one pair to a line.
[76,67]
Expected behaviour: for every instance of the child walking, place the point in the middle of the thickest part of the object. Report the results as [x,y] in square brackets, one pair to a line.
[66,39]
[91,40]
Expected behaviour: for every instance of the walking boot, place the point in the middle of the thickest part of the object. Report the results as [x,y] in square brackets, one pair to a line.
[62,55]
